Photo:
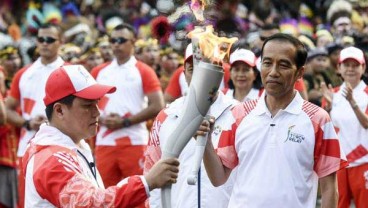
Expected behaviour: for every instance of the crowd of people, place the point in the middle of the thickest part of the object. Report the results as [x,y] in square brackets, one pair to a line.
[90,91]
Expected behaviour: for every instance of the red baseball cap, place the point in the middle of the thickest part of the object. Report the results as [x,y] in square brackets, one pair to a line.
[73,80]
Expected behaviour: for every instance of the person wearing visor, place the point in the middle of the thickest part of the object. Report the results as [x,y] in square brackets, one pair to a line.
[245,80]
[348,105]
[58,165]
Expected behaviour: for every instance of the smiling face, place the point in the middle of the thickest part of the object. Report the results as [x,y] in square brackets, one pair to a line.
[279,70]
[242,75]
[80,119]
[351,71]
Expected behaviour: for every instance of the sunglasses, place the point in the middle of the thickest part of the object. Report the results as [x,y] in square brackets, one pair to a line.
[47,40]
[120,40]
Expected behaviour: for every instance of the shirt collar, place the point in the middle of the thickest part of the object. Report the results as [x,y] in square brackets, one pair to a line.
[360,87]
[57,63]
[294,107]
[49,135]
[131,62]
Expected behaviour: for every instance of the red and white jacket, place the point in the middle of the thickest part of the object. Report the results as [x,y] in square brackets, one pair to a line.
[59,173]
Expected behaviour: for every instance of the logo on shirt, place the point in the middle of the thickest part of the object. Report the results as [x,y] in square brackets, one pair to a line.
[294,137]
[217,130]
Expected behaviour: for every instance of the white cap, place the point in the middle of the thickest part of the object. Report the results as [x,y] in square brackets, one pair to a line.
[243,55]
[352,53]
[188,52]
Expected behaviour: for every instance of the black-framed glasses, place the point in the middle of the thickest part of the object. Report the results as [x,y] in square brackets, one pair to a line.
[119,40]
[47,40]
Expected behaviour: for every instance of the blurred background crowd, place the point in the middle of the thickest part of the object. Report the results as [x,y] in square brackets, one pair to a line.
[325,26]
[322,24]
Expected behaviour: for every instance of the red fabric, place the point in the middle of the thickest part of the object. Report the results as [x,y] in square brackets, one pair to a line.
[173,88]
[14,89]
[28,105]
[352,184]
[226,68]
[299,85]
[118,162]
[58,178]
[150,81]
[95,71]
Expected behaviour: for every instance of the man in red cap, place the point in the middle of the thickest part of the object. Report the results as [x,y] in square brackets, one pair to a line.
[58,165]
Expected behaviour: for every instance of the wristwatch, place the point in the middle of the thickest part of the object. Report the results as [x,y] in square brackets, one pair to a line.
[126,122]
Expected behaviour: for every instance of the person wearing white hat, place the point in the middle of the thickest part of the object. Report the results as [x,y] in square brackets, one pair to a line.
[178,87]
[58,165]
[245,80]
[203,194]
[348,105]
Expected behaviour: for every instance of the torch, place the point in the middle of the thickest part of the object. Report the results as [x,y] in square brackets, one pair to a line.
[203,88]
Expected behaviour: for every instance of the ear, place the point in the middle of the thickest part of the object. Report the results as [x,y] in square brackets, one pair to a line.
[58,110]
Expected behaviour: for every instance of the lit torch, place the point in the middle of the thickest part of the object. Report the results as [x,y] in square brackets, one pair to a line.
[208,51]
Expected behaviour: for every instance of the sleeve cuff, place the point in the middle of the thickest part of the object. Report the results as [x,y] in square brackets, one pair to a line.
[146,187]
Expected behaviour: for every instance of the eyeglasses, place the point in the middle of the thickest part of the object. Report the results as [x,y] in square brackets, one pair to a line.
[119,40]
[47,40]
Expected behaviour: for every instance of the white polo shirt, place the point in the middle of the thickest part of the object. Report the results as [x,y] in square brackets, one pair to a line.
[353,137]
[280,158]
[133,81]
[28,87]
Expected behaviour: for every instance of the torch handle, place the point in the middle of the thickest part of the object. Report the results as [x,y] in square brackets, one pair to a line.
[198,155]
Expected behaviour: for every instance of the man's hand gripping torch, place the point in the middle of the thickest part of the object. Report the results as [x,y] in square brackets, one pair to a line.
[205,82]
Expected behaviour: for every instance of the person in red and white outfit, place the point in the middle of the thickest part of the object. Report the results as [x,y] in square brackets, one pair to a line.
[28,83]
[123,135]
[178,86]
[27,88]
[281,145]
[58,164]
[349,112]
[245,81]
[203,194]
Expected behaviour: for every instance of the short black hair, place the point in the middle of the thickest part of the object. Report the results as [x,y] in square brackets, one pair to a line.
[68,101]
[126,26]
[270,26]
[51,25]
[301,50]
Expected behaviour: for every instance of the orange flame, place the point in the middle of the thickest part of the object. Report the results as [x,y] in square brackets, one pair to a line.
[212,48]
[197,7]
